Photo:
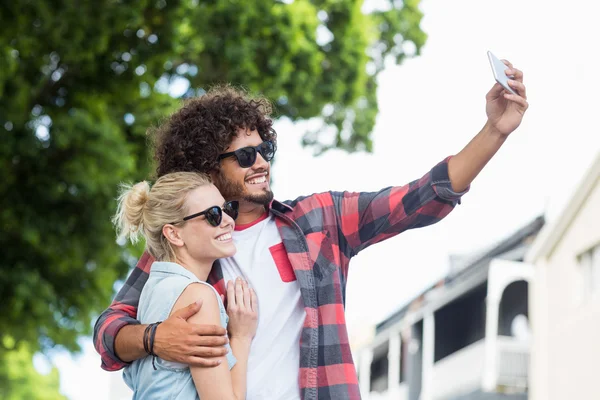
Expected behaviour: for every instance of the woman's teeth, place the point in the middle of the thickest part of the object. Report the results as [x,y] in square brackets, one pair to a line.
[223,237]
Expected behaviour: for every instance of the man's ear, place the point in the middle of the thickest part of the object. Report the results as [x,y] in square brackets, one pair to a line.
[213,175]
[172,235]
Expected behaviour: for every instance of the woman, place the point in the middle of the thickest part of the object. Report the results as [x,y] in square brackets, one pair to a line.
[187,226]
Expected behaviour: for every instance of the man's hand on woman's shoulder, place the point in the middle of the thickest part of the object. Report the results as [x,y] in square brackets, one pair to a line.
[196,345]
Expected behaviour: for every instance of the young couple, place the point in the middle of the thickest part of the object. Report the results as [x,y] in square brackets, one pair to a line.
[292,256]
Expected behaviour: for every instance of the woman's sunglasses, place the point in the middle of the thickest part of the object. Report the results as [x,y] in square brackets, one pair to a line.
[214,214]
[246,156]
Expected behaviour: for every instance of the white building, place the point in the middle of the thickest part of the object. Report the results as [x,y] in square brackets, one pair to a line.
[565,299]
[467,337]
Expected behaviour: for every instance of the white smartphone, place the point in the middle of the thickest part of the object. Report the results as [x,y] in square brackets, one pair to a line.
[498,68]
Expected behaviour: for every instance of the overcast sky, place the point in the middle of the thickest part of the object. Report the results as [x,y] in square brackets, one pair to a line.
[430,107]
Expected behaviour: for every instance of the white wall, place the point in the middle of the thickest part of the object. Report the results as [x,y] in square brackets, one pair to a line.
[460,372]
[566,325]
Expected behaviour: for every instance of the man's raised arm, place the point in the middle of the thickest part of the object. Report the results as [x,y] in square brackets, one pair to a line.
[367,218]
[505,112]
[118,335]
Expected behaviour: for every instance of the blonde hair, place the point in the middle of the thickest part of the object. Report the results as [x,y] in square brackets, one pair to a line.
[144,211]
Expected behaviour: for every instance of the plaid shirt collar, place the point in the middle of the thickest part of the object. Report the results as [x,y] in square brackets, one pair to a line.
[280,207]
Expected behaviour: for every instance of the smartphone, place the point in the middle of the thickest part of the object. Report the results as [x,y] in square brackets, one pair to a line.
[498,68]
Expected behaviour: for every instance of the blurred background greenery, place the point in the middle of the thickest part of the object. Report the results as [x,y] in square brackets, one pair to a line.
[80,83]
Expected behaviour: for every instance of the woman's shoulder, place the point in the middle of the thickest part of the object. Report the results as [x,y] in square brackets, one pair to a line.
[201,291]
[186,290]
[212,308]
[166,289]
[170,285]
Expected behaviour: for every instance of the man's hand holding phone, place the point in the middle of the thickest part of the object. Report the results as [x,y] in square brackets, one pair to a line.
[507,100]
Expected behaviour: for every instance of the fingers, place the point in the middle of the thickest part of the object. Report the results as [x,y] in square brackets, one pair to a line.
[495,92]
[513,72]
[239,292]
[253,300]
[208,330]
[247,299]
[507,63]
[517,99]
[187,312]
[518,87]
[208,352]
[202,362]
[230,294]
[240,295]
[208,341]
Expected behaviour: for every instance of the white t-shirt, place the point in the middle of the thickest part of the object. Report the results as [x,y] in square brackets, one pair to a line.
[261,259]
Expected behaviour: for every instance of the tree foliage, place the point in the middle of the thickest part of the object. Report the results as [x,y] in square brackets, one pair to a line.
[19,380]
[80,82]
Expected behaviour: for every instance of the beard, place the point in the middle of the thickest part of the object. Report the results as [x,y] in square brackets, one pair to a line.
[231,190]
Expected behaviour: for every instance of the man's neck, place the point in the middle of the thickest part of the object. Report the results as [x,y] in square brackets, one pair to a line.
[249,212]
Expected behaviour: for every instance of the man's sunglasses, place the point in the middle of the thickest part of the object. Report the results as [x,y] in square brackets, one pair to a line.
[214,214]
[246,156]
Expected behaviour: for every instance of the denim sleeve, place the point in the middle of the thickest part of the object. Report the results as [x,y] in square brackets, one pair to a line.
[231,360]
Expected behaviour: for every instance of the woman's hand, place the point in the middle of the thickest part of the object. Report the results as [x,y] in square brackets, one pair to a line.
[242,308]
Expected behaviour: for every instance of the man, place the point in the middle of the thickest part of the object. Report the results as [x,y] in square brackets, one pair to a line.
[295,254]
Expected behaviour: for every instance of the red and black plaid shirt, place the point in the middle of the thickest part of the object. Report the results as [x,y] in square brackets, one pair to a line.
[321,233]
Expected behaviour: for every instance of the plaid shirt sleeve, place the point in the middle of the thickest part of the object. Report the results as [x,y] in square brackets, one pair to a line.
[122,312]
[368,218]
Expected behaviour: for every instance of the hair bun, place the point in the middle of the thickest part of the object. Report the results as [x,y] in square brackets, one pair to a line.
[130,212]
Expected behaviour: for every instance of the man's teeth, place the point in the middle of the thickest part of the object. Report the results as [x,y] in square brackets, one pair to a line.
[260,179]
[223,237]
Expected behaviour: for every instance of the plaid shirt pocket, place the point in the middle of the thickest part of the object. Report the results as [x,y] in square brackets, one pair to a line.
[282,262]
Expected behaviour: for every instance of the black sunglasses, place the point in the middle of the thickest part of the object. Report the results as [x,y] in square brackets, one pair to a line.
[214,214]
[246,156]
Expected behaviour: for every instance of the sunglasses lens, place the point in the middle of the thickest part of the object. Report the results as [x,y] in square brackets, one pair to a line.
[231,209]
[267,150]
[213,216]
[246,157]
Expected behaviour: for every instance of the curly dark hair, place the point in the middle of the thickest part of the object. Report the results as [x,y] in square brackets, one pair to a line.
[192,138]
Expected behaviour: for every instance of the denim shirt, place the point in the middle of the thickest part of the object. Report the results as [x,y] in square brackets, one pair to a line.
[170,380]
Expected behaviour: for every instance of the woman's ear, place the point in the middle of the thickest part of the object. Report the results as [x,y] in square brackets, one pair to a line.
[172,234]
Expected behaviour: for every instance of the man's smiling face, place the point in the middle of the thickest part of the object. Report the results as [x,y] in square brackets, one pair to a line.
[250,185]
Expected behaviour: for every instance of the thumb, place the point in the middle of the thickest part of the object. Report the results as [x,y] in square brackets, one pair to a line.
[495,91]
[223,298]
[188,311]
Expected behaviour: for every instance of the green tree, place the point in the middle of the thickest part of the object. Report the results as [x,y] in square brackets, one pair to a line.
[18,378]
[80,82]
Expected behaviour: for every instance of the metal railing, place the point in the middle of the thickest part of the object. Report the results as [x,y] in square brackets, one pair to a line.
[512,363]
